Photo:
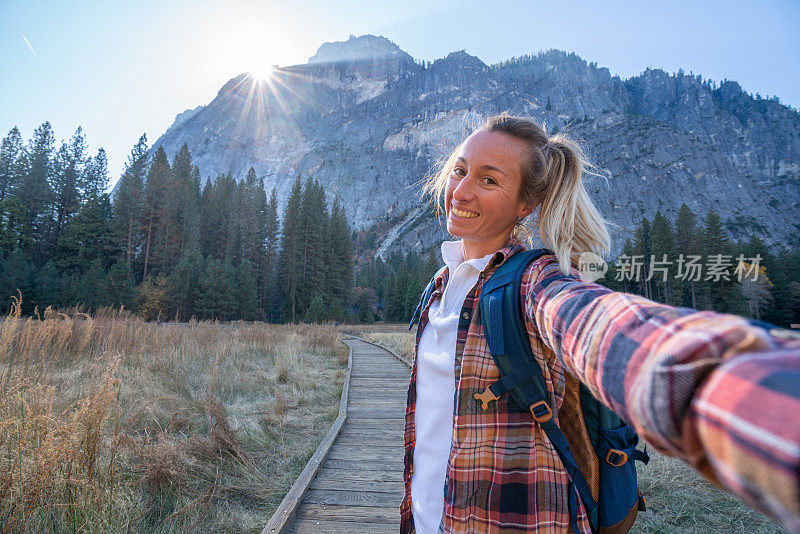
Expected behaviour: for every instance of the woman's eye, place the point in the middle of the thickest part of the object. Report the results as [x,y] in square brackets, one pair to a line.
[489,180]
[458,171]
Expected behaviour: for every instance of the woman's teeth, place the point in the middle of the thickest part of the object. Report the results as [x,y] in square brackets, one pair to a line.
[464,214]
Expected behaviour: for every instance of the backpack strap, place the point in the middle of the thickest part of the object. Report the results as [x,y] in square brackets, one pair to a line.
[504,328]
[426,294]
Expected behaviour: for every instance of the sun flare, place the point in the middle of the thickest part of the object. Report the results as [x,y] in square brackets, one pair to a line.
[263,73]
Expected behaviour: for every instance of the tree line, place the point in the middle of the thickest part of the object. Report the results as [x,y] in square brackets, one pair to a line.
[389,289]
[767,288]
[165,246]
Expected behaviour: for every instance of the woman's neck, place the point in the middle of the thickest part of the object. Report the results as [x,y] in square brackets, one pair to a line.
[473,250]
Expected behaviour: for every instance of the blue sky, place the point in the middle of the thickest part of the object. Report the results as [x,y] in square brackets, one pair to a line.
[120,69]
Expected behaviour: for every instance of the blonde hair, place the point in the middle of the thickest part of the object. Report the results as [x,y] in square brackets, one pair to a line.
[552,179]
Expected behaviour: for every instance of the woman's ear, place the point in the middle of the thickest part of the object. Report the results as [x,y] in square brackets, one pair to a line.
[525,210]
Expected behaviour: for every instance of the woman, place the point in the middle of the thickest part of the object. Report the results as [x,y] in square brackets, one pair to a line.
[693,383]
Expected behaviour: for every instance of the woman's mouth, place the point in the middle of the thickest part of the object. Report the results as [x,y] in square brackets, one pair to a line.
[462,214]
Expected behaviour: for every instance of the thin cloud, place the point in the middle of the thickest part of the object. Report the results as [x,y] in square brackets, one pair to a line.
[29,45]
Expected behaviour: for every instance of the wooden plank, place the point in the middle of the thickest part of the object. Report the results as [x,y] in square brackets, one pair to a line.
[384,405]
[374,475]
[368,390]
[350,498]
[338,483]
[376,433]
[379,413]
[372,395]
[358,449]
[363,456]
[382,381]
[366,422]
[380,440]
[395,464]
[318,526]
[361,514]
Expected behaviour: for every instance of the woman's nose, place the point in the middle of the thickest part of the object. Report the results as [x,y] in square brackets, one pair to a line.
[464,189]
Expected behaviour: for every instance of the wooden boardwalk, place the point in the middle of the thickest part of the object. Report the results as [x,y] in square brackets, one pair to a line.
[359,483]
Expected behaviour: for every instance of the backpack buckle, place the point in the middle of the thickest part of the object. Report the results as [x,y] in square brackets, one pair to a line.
[616,457]
[486,397]
[541,412]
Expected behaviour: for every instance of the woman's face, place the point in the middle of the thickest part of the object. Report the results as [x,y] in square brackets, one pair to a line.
[482,199]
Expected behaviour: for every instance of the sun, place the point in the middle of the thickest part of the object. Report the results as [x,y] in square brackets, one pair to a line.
[263,74]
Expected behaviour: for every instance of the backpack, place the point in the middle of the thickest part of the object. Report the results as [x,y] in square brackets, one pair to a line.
[602,465]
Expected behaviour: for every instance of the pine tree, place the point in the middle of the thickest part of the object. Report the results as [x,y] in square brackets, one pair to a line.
[687,243]
[154,191]
[120,284]
[128,200]
[342,255]
[66,182]
[10,154]
[219,291]
[34,189]
[317,311]
[365,299]
[247,297]
[16,278]
[16,228]
[176,219]
[249,224]
[268,266]
[718,293]
[48,285]
[291,254]
[209,217]
[191,215]
[186,284]
[218,218]
[95,178]
[663,246]
[335,310]
[94,285]
[87,237]
[313,217]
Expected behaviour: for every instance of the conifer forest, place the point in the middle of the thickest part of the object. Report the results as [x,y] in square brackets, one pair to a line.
[169,248]
[164,246]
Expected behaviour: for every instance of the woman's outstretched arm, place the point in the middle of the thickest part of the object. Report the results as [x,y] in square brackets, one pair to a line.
[710,388]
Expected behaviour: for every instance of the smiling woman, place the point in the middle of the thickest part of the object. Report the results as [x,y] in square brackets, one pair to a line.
[483,456]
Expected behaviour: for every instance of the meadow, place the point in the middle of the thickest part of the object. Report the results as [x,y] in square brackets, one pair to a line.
[112,424]
[678,498]
[109,424]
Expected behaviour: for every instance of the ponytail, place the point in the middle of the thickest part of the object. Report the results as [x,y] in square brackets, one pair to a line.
[569,223]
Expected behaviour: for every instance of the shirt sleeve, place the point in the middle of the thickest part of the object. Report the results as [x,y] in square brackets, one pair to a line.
[710,388]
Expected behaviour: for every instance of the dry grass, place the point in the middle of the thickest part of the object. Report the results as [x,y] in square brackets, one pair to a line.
[111,424]
[402,343]
[679,499]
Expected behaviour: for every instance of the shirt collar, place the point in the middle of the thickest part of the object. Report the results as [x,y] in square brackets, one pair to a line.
[453,256]
[512,246]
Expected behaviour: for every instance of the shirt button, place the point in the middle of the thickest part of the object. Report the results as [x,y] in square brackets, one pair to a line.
[465,315]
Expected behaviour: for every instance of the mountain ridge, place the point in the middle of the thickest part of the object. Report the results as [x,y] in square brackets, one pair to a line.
[369,122]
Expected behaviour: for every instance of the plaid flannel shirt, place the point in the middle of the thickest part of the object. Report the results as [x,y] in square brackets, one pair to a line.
[713,389]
